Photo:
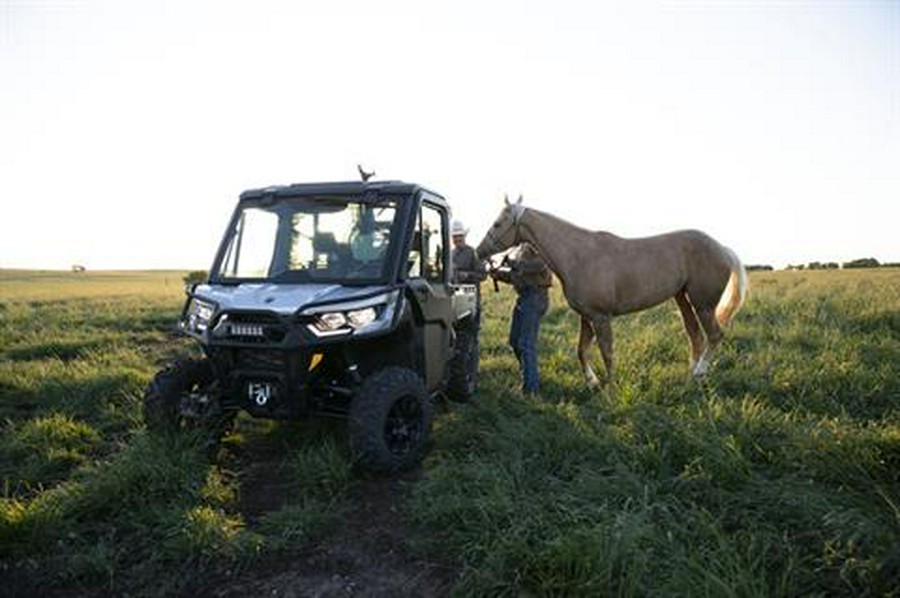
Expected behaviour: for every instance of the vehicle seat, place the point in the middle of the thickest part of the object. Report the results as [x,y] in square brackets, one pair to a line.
[324,244]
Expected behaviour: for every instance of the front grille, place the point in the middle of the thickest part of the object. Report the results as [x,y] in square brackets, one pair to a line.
[273,361]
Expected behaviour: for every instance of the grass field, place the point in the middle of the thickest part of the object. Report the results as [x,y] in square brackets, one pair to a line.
[778,477]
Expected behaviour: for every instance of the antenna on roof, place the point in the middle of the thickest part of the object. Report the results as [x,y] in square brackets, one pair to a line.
[365,175]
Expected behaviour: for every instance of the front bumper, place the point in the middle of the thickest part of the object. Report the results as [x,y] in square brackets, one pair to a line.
[279,384]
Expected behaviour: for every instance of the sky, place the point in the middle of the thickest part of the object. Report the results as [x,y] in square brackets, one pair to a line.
[128,129]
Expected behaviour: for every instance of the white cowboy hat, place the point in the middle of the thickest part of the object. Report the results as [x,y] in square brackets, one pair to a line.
[458,228]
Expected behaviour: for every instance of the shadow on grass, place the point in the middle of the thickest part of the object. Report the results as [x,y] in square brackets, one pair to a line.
[83,397]
[876,323]
[62,350]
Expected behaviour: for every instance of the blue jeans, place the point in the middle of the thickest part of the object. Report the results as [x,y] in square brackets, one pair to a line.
[531,305]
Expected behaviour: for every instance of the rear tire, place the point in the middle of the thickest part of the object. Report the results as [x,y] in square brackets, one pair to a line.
[463,380]
[389,421]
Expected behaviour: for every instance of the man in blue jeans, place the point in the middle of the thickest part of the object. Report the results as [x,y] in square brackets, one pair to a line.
[531,278]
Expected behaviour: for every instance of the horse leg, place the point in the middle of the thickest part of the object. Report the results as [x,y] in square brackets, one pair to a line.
[714,336]
[584,344]
[692,327]
[603,329]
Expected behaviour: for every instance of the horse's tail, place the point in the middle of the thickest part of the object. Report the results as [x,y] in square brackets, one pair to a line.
[735,292]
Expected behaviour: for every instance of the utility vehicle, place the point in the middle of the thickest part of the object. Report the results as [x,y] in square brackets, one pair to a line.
[328,299]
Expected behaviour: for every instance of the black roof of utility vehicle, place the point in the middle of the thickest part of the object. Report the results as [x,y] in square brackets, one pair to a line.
[341,188]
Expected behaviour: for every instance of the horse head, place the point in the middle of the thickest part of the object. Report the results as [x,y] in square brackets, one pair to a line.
[504,233]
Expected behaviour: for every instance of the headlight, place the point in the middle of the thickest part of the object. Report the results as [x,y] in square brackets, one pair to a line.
[199,313]
[331,322]
[361,317]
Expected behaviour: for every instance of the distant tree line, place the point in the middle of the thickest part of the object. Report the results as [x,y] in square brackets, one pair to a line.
[197,276]
[866,262]
[814,266]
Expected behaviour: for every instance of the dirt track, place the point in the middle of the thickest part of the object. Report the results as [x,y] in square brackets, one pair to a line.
[368,554]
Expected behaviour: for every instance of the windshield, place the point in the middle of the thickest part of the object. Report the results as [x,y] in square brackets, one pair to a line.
[310,239]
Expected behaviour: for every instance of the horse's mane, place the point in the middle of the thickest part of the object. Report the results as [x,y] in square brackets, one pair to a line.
[565,222]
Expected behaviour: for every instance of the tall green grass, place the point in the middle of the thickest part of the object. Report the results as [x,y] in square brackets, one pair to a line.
[89,501]
[779,476]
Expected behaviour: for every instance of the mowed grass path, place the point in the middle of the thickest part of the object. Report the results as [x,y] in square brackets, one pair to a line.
[778,477]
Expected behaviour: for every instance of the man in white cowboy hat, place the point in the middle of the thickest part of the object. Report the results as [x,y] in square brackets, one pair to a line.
[467,268]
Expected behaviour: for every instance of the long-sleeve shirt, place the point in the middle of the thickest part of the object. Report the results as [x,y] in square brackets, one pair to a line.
[467,268]
[526,270]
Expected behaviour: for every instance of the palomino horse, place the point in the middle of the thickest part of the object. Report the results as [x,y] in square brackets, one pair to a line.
[603,275]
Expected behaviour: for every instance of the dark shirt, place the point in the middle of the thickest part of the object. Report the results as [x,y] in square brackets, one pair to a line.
[467,268]
[526,270]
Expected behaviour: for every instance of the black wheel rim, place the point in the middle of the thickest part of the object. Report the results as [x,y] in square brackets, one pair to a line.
[192,410]
[403,426]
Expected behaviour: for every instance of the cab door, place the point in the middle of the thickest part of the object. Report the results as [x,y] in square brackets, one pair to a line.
[428,279]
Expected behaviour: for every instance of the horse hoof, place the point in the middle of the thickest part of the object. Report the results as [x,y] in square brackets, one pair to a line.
[701,369]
